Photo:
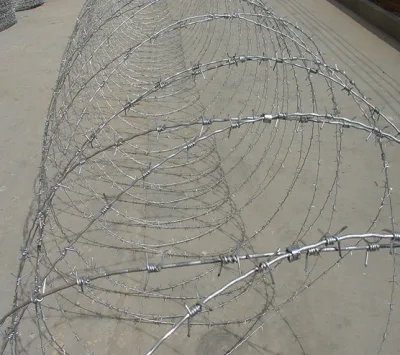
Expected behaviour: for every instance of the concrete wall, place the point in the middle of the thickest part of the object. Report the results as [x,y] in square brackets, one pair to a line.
[375,15]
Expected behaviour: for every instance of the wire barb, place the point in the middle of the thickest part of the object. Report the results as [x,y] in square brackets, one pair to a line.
[294,251]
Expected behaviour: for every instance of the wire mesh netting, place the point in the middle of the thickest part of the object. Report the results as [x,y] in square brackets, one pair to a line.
[7,14]
[186,141]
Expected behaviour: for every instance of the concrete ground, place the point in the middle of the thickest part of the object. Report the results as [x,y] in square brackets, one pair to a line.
[347,313]
[30,58]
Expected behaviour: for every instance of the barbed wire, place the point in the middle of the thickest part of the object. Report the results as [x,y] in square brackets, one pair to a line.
[292,253]
[196,130]
[328,243]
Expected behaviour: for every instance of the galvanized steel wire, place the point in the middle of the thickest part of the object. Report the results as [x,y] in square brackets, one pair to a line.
[7,14]
[22,5]
[172,124]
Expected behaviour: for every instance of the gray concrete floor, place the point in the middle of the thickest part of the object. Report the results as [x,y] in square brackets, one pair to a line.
[347,312]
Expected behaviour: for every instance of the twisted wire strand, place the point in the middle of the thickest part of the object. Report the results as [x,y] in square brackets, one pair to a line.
[291,254]
[172,125]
